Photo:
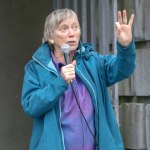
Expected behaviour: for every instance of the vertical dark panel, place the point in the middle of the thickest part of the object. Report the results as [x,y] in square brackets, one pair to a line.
[84,21]
[114,41]
[93,22]
[133,126]
[147,20]
[57,4]
[148,126]
[75,6]
[54,4]
[66,3]
[139,21]
[104,25]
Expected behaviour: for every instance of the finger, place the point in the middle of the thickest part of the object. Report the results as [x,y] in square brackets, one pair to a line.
[118,28]
[124,17]
[119,17]
[71,72]
[71,77]
[74,62]
[68,78]
[71,69]
[69,65]
[131,20]
[63,70]
[68,68]
[68,72]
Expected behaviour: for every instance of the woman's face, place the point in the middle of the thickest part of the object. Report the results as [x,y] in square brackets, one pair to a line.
[68,32]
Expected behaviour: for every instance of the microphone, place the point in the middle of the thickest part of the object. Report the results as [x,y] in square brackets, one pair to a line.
[65,49]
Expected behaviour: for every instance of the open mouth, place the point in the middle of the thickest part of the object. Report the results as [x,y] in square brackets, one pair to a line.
[71,42]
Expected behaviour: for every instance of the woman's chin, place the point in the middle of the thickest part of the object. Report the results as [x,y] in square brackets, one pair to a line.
[73,47]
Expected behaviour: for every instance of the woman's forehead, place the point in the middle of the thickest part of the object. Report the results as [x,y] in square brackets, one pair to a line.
[68,21]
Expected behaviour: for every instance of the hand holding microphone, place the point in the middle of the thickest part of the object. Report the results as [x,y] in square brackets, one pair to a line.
[68,71]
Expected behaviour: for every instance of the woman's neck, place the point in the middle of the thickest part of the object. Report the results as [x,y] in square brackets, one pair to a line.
[59,56]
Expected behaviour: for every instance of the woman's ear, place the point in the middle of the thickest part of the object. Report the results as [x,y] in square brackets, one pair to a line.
[51,41]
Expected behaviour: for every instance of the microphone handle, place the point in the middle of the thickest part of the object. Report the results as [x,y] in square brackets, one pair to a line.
[67,58]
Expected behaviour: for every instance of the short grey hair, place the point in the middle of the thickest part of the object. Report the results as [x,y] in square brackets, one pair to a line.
[54,19]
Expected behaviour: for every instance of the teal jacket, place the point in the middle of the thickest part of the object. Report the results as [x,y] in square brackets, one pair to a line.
[43,87]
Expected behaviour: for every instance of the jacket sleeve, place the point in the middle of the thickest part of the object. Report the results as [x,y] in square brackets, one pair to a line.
[120,66]
[37,100]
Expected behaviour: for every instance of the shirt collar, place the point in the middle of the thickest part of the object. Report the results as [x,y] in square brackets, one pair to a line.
[57,64]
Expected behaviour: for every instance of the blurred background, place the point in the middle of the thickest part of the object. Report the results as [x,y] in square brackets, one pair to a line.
[21,31]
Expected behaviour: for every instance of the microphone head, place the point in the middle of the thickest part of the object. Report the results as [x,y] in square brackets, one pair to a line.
[65,48]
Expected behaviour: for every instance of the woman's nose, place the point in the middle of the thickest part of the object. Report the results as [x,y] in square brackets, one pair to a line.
[71,32]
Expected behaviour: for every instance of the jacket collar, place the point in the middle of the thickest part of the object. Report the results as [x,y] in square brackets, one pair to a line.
[84,50]
[43,54]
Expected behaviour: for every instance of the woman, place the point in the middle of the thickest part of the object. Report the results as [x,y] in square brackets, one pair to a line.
[77,117]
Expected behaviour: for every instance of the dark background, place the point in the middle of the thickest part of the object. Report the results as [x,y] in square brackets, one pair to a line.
[21,29]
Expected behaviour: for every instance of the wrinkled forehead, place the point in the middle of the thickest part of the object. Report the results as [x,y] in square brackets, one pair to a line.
[69,22]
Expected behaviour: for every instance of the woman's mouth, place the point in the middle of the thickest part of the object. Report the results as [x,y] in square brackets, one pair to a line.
[71,42]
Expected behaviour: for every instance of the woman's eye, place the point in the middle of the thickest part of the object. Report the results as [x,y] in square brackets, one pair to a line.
[64,29]
[75,27]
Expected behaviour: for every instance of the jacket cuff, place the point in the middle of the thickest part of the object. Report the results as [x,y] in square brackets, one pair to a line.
[130,49]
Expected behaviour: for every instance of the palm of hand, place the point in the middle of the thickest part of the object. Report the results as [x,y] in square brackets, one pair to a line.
[123,30]
[125,35]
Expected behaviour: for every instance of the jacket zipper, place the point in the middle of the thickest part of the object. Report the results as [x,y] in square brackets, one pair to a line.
[89,85]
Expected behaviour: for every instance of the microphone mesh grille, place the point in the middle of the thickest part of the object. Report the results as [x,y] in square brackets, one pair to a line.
[65,48]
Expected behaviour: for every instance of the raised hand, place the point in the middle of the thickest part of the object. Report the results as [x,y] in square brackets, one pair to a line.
[124,29]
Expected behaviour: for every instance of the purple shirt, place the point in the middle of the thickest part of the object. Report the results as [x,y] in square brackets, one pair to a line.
[76,134]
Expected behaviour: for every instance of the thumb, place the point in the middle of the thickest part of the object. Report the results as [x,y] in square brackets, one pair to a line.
[74,63]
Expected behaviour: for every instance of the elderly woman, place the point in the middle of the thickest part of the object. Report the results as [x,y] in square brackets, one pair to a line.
[69,103]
